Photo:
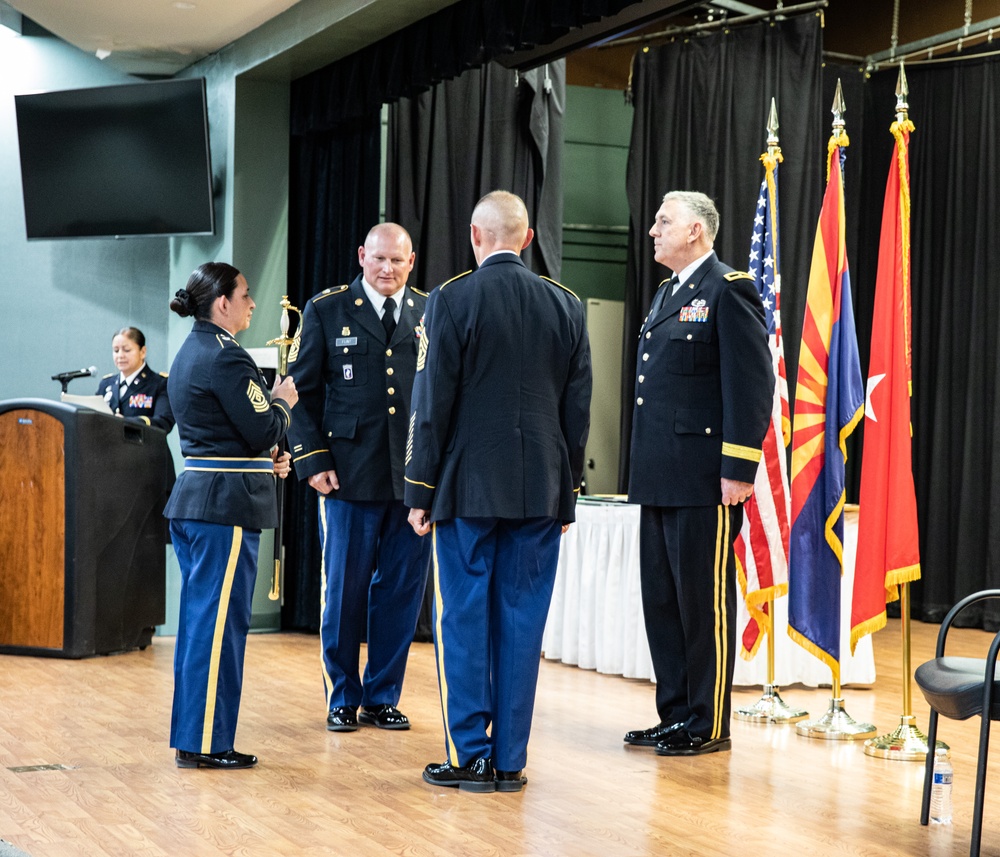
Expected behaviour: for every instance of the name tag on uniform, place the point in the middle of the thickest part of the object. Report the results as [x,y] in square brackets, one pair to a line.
[346,340]
[348,371]
[140,400]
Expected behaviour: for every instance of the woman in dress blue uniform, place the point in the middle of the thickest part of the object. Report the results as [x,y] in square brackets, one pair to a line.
[135,391]
[228,425]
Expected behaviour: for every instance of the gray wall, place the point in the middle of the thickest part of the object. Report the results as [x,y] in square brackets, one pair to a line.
[595,231]
[64,299]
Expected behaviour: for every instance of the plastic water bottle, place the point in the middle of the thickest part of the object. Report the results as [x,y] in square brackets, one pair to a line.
[941,788]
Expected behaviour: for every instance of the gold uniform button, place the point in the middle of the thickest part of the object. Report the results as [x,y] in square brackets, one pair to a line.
[642,378]
[392,391]
[648,334]
[388,352]
[388,371]
[708,431]
[639,400]
[645,357]
[392,410]
[345,350]
[689,337]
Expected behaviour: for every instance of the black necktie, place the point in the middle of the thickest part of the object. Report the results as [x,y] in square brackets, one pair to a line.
[673,285]
[389,318]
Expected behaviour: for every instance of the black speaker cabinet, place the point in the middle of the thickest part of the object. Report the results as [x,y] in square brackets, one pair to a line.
[82,536]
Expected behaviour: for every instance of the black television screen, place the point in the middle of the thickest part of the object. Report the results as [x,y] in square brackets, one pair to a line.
[116,160]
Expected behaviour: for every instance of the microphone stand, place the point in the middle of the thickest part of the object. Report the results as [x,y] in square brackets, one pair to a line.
[284,343]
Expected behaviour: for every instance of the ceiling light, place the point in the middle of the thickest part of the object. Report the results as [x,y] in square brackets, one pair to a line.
[102,54]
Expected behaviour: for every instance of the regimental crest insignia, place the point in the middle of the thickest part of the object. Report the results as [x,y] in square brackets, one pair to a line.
[421,348]
[257,398]
[345,331]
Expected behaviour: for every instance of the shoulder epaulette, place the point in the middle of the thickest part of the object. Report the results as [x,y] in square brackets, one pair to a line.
[561,286]
[452,280]
[164,374]
[737,275]
[664,281]
[110,375]
[335,290]
[418,291]
[225,339]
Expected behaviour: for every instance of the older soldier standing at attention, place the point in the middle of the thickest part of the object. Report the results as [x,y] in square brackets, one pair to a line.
[354,372]
[501,411]
[702,402]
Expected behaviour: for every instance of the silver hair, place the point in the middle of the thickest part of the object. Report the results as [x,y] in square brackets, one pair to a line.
[700,207]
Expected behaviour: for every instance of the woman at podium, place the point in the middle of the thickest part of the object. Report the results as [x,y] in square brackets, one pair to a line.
[227,423]
[135,391]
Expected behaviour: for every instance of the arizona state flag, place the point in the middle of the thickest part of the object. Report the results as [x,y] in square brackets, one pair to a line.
[888,553]
[829,403]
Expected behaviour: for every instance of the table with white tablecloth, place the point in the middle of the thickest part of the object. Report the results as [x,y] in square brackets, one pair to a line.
[595,619]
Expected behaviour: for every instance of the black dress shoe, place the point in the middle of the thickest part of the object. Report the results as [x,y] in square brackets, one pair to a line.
[652,736]
[230,760]
[510,781]
[476,777]
[383,716]
[343,719]
[683,743]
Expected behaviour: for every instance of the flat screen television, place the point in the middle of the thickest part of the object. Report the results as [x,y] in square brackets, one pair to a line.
[115,161]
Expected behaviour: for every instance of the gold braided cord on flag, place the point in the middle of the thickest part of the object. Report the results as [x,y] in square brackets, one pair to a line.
[834,142]
[755,603]
[900,131]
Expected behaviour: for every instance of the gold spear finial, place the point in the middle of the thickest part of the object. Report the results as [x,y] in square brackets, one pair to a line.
[902,90]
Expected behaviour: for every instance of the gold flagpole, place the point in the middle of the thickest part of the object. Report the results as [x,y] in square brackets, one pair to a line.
[771,708]
[906,743]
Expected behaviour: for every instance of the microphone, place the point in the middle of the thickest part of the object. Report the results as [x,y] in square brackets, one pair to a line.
[76,373]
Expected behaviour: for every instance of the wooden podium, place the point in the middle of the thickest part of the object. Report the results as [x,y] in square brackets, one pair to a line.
[82,536]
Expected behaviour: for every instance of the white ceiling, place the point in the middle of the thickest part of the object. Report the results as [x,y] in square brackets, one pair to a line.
[151,36]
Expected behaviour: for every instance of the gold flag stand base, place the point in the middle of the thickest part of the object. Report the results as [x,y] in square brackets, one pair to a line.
[836,725]
[904,744]
[770,708]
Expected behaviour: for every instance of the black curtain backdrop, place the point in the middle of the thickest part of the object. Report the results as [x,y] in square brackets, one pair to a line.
[465,137]
[488,129]
[333,201]
[465,35]
[955,107]
[701,109]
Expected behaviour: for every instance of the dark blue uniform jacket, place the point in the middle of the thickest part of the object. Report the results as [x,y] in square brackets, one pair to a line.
[501,401]
[703,392]
[354,391]
[227,426]
[146,400]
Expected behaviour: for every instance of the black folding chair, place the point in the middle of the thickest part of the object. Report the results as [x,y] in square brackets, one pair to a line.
[960,688]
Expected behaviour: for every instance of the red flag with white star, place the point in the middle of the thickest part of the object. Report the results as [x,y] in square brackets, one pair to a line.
[888,550]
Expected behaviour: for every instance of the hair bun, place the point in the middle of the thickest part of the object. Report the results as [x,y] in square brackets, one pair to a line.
[183,303]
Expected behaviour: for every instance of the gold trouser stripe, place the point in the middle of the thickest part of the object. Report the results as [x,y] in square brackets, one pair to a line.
[322,598]
[442,679]
[721,618]
[220,630]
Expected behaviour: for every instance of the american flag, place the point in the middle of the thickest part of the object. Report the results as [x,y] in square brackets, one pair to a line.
[762,545]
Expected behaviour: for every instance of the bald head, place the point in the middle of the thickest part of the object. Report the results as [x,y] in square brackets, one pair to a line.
[387,258]
[500,222]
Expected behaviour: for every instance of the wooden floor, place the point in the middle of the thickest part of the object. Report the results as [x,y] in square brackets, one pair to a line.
[113,789]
